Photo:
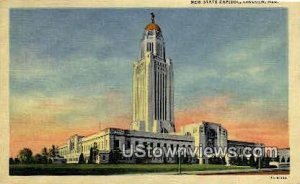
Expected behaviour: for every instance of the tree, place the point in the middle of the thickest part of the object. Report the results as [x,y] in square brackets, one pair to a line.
[277,159]
[38,159]
[44,152]
[11,160]
[176,158]
[25,156]
[17,161]
[233,160]
[239,160]
[53,151]
[267,162]
[245,161]
[90,161]
[45,155]
[263,162]
[81,159]
[223,161]
[115,155]
[252,161]
[216,160]
[185,160]
[210,160]
[93,154]
[165,159]
[257,163]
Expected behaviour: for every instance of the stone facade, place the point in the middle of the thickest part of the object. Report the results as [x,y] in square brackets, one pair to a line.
[206,134]
[114,139]
[240,145]
[203,134]
[153,98]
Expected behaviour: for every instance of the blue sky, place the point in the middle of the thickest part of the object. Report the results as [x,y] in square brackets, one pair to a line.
[81,60]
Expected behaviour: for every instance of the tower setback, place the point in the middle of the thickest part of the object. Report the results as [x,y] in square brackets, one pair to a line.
[153,98]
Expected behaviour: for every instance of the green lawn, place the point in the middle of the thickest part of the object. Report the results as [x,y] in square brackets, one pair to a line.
[108,169]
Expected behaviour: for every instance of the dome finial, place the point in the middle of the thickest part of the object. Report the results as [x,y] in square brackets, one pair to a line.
[152,17]
[152,26]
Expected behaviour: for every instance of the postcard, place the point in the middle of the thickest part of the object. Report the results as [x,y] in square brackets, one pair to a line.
[141,92]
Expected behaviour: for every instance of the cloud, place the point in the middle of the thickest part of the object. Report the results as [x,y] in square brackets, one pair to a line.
[190,75]
[31,71]
[252,60]
[251,73]
[69,108]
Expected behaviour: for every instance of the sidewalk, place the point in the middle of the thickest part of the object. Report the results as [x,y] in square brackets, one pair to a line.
[217,172]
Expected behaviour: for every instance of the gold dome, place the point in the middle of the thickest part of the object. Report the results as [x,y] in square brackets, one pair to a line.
[152,26]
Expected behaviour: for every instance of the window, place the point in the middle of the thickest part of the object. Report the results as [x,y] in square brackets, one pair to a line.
[116,144]
[136,143]
[188,134]
[158,144]
[127,144]
[148,46]
[158,49]
[150,33]
[151,144]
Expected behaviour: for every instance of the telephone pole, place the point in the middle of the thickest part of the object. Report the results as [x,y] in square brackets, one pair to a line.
[179,169]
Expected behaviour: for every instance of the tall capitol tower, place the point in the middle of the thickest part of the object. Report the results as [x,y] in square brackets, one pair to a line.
[153,95]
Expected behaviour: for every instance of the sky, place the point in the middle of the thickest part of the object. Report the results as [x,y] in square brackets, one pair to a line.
[72,68]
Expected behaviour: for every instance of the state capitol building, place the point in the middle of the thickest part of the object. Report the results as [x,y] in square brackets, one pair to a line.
[153,122]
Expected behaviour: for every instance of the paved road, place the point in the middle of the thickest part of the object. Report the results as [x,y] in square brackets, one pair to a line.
[249,172]
[226,172]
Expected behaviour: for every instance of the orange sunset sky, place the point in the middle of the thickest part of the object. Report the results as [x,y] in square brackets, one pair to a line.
[36,130]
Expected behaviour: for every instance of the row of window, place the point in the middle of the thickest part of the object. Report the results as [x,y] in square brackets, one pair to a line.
[72,159]
[63,152]
[159,49]
[100,145]
[151,144]
[159,64]
[160,97]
